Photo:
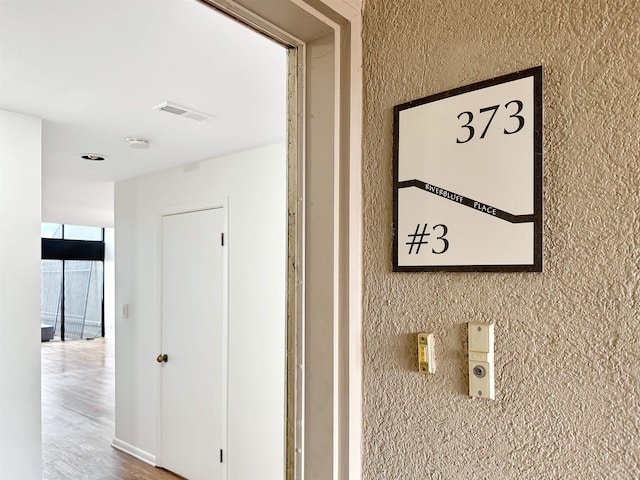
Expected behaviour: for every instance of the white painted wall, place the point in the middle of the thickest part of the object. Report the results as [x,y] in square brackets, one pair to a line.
[20,167]
[76,201]
[255,184]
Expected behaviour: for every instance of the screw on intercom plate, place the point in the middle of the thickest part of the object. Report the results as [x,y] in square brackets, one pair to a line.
[479,371]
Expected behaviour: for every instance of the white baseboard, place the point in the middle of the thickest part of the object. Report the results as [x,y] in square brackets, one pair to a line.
[134,451]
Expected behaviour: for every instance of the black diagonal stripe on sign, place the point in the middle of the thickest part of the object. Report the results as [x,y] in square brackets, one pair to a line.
[467,202]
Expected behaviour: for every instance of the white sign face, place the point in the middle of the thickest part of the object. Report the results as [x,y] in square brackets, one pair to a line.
[468,178]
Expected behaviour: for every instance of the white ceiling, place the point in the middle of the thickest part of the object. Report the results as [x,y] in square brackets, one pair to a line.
[93,70]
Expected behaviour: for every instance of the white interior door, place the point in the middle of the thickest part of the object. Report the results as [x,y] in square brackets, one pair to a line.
[192,410]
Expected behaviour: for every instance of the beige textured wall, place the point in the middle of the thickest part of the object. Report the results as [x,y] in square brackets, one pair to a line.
[567,340]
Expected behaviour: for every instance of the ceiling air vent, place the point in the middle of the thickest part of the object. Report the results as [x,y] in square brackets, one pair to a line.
[181,111]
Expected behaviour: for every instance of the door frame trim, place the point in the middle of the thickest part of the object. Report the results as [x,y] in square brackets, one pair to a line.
[342,19]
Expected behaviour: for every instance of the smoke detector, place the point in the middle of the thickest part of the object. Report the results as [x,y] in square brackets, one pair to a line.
[137,142]
[182,111]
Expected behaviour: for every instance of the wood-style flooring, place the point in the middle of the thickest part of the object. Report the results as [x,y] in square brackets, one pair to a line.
[78,416]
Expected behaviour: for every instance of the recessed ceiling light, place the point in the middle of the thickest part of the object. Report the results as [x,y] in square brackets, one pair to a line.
[93,156]
[137,142]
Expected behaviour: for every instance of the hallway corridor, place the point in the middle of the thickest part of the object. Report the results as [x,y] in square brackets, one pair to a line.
[78,416]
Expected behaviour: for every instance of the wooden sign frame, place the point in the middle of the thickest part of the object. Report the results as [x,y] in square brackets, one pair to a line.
[467,178]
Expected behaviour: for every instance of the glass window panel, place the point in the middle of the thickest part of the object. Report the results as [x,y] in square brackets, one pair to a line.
[51,230]
[82,299]
[50,298]
[79,232]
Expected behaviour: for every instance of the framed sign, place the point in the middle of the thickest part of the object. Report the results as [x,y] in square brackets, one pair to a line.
[467,179]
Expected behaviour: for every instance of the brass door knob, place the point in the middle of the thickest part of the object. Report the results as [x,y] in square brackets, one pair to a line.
[162,358]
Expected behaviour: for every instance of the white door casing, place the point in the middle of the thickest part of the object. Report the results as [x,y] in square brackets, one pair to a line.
[325,276]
